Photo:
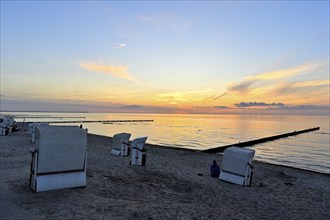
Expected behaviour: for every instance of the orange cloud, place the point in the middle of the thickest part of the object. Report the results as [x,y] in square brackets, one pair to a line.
[289,72]
[311,83]
[182,97]
[116,71]
[284,84]
[263,80]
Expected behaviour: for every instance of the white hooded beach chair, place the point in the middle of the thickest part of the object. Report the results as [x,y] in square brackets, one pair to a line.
[6,124]
[236,166]
[138,152]
[60,158]
[120,144]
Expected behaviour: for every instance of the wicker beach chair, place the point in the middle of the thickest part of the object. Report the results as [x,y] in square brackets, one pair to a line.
[236,166]
[60,158]
[6,124]
[139,154]
[120,144]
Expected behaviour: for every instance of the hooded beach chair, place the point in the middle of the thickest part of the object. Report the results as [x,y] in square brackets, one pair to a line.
[120,144]
[236,166]
[60,158]
[6,124]
[138,152]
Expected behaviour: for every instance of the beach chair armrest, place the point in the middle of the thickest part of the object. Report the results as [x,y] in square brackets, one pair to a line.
[126,143]
[250,165]
[33,152]
[143,150]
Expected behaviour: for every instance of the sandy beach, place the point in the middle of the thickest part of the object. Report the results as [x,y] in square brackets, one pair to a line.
[168,187]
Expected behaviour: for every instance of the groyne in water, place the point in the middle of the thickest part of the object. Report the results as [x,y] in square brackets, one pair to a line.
[259,141]
[95,121]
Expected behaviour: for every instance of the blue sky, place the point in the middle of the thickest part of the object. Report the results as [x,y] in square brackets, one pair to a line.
[166,57]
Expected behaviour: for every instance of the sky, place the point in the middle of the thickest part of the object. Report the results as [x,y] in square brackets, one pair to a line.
[208,57]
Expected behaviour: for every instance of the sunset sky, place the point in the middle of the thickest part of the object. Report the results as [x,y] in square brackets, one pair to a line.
[221,57]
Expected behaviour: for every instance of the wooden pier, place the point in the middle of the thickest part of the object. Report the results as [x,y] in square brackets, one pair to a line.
[259,141]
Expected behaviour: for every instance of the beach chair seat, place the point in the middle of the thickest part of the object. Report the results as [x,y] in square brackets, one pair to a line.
[120,145]
[236,166]
[3,131]
[60,158]
[138,157]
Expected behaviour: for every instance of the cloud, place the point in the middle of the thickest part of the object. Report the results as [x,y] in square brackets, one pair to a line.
[248,82]
[301,88]
[314,83]
[289,72]
[116,71]
[220,107]
[242,87]
[120,45]
[304,107]
[222,95]
[276,79]
[302,85]
[131,106]
[173,96]
[281,106]
[216,97]
[187,97]
[163,22]
[216,107]
[63,105]
[258,104]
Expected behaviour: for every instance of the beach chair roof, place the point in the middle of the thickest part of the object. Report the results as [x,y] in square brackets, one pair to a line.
[118,139]
[139,143]
[235,160]
[61,148]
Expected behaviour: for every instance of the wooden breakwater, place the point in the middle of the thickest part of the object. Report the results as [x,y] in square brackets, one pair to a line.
[43,116]
[95,121]
[259,141]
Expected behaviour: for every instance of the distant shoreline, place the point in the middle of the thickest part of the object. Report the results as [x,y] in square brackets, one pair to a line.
[47,111]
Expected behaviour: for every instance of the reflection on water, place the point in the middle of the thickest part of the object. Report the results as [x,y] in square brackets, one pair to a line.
[307,151]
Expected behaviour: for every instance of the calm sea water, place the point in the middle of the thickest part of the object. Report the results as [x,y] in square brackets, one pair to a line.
[309,151]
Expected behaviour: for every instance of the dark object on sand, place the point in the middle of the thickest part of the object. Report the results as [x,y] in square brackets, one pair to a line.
[215,169]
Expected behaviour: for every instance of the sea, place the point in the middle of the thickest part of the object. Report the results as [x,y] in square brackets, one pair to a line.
[309,151]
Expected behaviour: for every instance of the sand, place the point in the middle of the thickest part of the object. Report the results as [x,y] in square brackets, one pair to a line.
[168,187]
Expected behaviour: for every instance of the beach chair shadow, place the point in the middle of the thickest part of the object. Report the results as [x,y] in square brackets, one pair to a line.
[236,166]
[60,158]
[120,144]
